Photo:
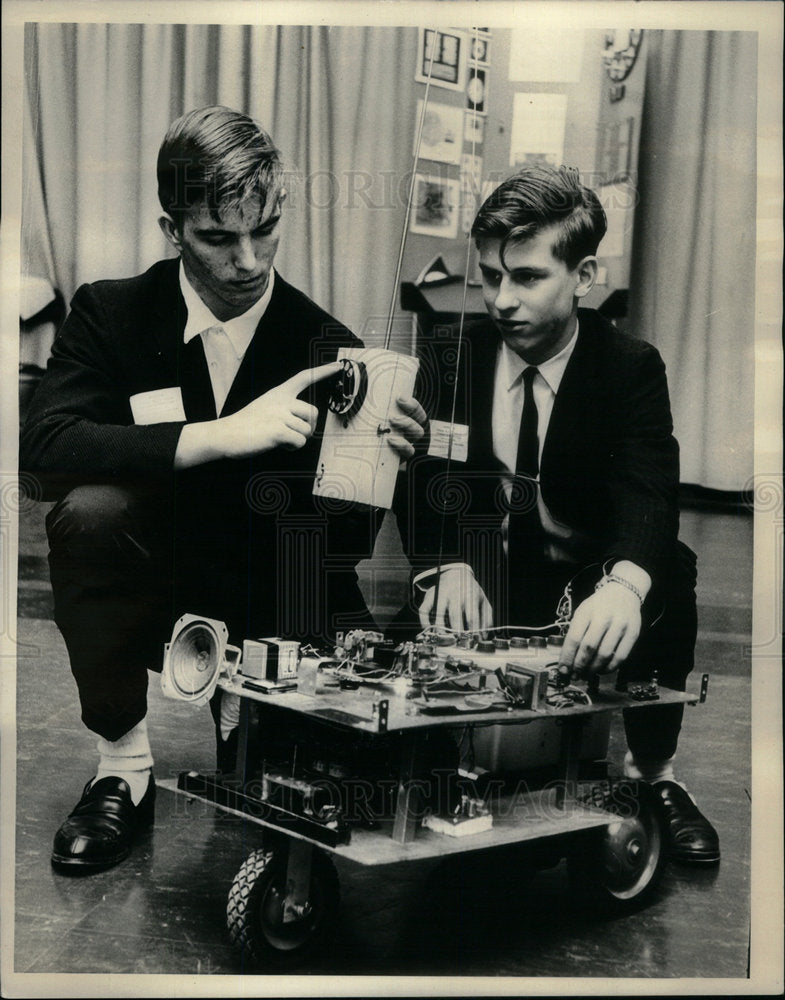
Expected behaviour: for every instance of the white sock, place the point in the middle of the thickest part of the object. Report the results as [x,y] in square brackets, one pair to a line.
[230,713]
[649,769]
[128,758]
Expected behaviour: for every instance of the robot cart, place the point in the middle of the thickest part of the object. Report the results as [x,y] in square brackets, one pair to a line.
[284,898]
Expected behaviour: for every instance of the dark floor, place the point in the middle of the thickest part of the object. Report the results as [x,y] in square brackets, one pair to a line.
[162,911]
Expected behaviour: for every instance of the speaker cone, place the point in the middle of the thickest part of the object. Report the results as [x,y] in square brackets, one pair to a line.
[194,658]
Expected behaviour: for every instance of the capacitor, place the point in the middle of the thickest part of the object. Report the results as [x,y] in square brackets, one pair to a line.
[555,640]
[438,663]
[465,640]
[537,642]
[485,646]
[501,643]
[519,642]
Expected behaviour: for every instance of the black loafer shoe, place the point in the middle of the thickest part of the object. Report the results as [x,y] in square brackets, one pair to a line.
[100,831]
[690,836]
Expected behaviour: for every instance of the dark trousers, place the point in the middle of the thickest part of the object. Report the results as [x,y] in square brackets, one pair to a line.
[126,563]
[122,574]
[110,563]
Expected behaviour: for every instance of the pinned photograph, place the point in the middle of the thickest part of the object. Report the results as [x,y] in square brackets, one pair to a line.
[442,133]
[471,181]
[476,91]
[479,50]
[435,207]
[448,68]
[473,127]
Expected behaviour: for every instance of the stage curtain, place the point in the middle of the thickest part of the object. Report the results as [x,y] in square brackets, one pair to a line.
[693,278]
[99,100]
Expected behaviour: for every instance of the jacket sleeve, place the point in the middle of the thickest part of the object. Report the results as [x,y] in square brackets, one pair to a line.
[79,427]
[644,467]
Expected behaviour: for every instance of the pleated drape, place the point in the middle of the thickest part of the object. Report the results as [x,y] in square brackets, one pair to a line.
[338,101]
[693,277]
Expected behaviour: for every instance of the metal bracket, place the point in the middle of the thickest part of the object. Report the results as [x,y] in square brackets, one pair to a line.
[569,755]
[704,687]
[297,904]
[381,711]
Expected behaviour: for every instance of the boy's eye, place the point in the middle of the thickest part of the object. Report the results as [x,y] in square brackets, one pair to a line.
[266,229]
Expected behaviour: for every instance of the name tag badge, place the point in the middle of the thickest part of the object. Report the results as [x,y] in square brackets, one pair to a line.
[440,440]
[160,406]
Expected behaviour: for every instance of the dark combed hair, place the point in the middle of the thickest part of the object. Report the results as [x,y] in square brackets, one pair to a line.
[539,197]
[217,156]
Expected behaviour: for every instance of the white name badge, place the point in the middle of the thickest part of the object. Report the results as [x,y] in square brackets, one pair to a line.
[440,440]
[160,406]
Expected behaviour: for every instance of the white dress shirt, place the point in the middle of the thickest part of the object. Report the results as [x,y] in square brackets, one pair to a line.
[506,422]
[561,541]
[225,342]
[506,413]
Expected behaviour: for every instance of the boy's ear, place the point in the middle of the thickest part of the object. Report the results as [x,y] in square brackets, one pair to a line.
[170,230]
[586,272]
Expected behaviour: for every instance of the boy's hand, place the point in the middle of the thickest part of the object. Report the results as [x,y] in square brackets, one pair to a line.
[462,602]
[410,427]
[603,631]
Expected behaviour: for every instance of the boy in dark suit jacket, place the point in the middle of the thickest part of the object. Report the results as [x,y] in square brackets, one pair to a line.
[567,474]
[170,430]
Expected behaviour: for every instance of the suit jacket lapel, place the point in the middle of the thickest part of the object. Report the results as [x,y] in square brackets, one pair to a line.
[198,397]
[269,355]
[576,398]
[479,362]
[185,363]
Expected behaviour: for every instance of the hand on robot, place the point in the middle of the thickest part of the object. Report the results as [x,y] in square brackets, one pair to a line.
[462,604]
[603,631]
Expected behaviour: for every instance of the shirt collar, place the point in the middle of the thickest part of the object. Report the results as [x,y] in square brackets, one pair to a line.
[239,330]
[512,365]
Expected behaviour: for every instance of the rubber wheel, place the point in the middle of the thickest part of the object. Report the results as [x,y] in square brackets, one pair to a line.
[254,910]
[619,865]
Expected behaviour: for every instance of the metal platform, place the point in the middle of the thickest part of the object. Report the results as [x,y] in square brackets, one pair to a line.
[516,818]
[380,708]
[526,816]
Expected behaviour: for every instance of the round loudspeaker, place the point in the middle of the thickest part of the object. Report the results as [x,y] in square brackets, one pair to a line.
[194,658]
[348,390]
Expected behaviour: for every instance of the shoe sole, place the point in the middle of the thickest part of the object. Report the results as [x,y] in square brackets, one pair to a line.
[74,866]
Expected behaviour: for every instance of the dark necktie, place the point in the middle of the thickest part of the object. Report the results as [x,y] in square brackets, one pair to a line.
[525,535]
[528,463]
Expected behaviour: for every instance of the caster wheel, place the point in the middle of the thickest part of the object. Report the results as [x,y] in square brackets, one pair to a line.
[255,914]
[619,865]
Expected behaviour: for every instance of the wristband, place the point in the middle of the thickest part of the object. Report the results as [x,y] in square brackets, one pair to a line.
[613,578]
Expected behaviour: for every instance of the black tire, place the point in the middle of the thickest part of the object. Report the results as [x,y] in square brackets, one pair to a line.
[618,866]
[254,915]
